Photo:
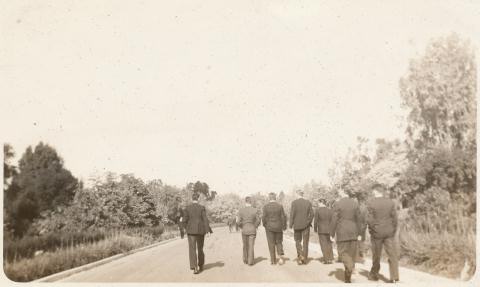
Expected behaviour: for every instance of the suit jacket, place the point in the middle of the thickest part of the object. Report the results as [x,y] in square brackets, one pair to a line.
[301,214]
[195,218]
[323,216]
[346,220]
[248,220]
[273,217]
[382,218]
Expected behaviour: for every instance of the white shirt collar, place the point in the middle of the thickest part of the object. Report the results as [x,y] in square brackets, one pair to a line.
[248,204]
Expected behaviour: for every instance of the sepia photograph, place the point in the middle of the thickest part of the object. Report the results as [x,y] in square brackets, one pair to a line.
[252,142]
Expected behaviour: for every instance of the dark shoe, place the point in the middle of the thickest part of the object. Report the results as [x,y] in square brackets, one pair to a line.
[393,281]
[348,277]
[200,269]
[372,277]
[195,270]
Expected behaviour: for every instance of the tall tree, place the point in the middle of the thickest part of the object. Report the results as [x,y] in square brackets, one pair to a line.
[42,184]
[439,91]
[8,169]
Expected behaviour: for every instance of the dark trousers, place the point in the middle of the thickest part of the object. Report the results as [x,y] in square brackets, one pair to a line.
[326,246]
[347,250]
[274,240]
[195,244]
[248,245]
[389,243]
[299,236]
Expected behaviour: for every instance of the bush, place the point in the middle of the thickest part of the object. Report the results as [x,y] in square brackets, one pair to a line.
[28,269]
[26,246]
[440,245]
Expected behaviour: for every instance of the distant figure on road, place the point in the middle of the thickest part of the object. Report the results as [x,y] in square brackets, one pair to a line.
[321,225]
[248,220]
[382,220]
[301,216]
[275,222]
[231,223]
[180,218]
[346,226]
[195,218]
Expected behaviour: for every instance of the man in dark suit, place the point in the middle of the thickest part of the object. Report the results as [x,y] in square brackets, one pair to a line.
[301,216]
[195,219]
[346,225]
[248,220]
[321,225]
[275,222]
[382,220]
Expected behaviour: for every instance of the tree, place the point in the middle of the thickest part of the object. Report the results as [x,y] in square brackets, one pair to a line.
[42,183]
[439,91]
[8,169]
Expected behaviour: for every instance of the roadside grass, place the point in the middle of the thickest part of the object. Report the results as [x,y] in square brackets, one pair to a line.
[74,255]
[441,247]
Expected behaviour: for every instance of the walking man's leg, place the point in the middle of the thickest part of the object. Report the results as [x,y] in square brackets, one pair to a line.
[306,240]
[192,251]
[376,255]
[297,235]
[391,251]
[251,255]
[201,255]
[245,248]
[271,245]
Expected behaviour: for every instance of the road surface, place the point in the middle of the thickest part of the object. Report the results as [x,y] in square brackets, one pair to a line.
[169,263]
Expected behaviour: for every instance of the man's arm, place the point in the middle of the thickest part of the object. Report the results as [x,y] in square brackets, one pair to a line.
[358,221]
[310,213]
[205,220]
[315,221]
[333,221]
[284,218]
[292,215]
[185,216]
[394,215]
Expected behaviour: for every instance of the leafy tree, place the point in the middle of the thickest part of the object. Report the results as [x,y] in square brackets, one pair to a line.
[8,169]
[42,183]
[439,91]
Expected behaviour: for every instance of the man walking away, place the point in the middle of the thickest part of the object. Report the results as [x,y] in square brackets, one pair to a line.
[382,223]
[275,222]
[248,220]
[301,216]
[321,225]
[195,218]
[346,226]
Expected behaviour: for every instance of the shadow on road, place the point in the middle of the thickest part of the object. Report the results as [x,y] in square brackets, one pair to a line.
[258,260]
[213,265]
[339,274]
[380,276]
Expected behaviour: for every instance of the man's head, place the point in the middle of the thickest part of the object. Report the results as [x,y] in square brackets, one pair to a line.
[322,202]
[272,196]
[379,190]
[248,200]
[195,196]
[342,193]
[299,193]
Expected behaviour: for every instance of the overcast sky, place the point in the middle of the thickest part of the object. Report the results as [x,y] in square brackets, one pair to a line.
[245,95]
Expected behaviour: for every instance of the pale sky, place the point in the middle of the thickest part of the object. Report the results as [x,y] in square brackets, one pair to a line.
[245,95]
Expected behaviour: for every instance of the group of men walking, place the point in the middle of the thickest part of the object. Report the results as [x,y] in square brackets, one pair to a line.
[344,224]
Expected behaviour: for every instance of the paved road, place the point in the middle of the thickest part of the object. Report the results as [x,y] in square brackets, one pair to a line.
[169,263]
